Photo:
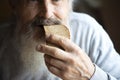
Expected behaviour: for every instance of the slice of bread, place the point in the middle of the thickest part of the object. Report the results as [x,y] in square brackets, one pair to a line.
[60,30]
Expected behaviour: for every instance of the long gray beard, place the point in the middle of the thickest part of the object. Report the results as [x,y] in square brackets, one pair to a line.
[21,61]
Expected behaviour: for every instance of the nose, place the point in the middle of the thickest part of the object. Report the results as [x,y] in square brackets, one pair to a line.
[46,10]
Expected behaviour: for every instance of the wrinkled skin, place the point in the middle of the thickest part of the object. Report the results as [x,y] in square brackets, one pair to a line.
[68,63]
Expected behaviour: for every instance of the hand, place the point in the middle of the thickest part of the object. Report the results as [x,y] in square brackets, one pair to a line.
[68,63]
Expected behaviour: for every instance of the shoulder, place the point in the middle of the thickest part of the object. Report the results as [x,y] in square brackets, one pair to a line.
[85,22]
[87,32]
[83,18]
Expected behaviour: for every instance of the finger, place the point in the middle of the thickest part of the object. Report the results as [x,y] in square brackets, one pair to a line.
[53,51]
[65,43]
[53,70]
[55,62]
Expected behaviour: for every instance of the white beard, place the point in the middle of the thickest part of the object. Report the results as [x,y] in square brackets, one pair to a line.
[21,61]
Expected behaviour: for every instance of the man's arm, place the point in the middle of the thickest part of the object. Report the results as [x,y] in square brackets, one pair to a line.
[102,53]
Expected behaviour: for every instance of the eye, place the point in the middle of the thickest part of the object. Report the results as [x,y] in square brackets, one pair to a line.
[56,1]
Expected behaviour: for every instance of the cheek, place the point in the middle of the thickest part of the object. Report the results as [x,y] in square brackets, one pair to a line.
[27,14]
[62,13]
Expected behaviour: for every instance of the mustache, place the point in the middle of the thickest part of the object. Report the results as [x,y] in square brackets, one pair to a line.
[39,21]
[29,27]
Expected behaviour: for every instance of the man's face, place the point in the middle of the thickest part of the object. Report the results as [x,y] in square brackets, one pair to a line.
[31,14]
[47,12]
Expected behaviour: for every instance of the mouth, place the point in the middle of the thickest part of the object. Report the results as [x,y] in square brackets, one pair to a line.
[40,21]
[38,27]
[39,33]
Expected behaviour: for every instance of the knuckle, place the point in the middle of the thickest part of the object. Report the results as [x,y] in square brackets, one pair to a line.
[51,37]
[71,61]
[75,50]
[61,41]
[55,52]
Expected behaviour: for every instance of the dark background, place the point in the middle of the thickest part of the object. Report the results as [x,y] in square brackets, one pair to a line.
[106,12]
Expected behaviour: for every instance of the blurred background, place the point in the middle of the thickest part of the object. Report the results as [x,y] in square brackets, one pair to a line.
[106,12]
